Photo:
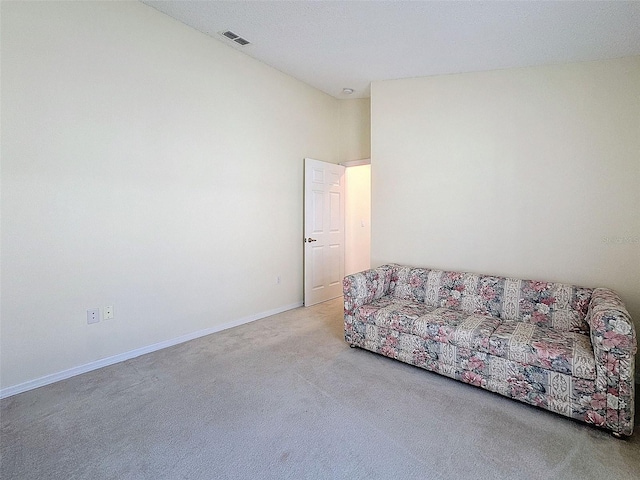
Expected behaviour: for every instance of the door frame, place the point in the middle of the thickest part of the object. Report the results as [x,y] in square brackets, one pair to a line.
[352,163]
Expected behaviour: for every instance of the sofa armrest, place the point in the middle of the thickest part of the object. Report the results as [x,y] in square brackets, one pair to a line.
[364,287]
[613,337]
[611,327]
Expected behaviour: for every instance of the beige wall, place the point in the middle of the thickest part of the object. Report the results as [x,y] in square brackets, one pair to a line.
[355,129]
[145,166]
[531,172]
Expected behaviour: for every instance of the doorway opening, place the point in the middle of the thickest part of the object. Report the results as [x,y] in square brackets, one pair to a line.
[357,216]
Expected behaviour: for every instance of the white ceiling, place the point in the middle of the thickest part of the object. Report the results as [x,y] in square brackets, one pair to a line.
[336,44]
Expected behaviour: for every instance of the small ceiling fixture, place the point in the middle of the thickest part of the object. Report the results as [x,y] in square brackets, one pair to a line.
[347,91]
[234,37]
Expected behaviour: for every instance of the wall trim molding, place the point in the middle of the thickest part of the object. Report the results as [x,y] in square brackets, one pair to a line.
[356,163]
[105,362]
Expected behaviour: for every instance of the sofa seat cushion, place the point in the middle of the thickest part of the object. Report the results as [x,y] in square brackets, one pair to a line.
[457,328]
[430,323]
[394,313]
[559,351]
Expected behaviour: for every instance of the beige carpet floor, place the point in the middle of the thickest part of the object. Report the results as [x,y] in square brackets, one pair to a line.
[286,398]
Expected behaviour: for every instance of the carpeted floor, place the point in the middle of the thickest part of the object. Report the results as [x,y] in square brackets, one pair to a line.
[286,398]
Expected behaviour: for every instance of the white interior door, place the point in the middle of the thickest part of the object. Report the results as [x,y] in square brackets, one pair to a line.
[323,231]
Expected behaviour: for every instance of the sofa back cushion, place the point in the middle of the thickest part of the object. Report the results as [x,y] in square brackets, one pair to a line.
[548,304]
[408,283]
[472,293]
[557,305]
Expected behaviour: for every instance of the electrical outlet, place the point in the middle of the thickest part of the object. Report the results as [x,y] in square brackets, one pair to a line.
[108,312]
[278,280]
[93,315]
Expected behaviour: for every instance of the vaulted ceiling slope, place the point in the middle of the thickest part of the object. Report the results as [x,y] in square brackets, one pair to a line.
[333,45]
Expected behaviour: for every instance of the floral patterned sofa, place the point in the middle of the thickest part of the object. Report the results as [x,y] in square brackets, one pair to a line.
[564,348]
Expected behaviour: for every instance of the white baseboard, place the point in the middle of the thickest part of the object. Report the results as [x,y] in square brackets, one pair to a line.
[72,372]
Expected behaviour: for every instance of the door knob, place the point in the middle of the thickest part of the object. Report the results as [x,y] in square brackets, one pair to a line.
[310,240]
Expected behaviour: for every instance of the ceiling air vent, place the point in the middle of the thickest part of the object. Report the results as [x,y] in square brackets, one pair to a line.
[235,38]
